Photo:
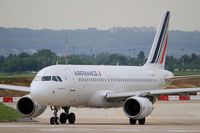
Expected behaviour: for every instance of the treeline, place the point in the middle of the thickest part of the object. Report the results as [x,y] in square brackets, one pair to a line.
[34,62]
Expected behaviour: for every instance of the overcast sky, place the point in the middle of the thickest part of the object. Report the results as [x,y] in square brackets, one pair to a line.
[102,14]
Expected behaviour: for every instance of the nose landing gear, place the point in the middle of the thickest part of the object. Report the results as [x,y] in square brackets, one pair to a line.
[55,119]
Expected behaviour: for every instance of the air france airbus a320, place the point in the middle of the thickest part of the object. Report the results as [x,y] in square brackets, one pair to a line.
[135,88]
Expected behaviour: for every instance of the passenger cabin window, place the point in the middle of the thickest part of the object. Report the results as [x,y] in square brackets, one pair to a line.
[46,78]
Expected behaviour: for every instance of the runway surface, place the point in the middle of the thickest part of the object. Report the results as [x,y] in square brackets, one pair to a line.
[167,117]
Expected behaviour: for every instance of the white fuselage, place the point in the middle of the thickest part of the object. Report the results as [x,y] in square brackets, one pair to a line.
[87,85]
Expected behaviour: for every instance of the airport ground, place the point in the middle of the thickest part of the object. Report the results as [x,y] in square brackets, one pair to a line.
[167,117]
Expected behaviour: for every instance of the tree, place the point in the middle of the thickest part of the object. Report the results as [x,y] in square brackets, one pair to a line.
[115,59]
[23,55]
[141,55]
[25,62]
[140,58]
[74,59]
[102,59]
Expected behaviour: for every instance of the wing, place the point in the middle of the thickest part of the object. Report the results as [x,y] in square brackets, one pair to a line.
[154,93]
[183,77]
[14,87]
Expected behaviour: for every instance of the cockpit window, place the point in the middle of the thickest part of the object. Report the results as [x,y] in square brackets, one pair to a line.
[54,78]
[46,78]
[59,78]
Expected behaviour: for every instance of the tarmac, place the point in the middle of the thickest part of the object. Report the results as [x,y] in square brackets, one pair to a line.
[167,117]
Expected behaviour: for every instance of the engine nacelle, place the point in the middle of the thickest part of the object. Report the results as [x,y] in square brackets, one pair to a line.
[137,107]
[28,108]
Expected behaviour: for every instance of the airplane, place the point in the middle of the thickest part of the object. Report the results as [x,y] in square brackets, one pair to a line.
[134,88]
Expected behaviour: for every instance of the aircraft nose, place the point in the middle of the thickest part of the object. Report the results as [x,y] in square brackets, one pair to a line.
[38,92]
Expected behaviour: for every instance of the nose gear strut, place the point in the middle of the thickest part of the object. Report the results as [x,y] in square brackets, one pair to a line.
[55,119]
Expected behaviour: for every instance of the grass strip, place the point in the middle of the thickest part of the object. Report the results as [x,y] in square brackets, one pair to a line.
[8,114]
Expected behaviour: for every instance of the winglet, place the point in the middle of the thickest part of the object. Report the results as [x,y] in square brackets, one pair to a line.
[159,47]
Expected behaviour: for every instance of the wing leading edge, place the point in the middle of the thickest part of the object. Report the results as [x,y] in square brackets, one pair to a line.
[14,87]
[176,78]
[154,93]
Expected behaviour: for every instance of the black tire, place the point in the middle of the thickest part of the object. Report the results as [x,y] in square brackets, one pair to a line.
[52,120]
[132,121]
[56,120]
[141,121]
[71,118]
[63,118]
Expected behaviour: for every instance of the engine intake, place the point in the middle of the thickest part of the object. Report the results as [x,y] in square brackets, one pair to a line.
[137,107]
[28,108]
[25,106]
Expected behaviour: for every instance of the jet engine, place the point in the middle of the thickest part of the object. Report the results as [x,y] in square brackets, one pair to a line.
[28,108]
[137,107]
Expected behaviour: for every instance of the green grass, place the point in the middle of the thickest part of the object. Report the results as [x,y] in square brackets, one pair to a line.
[8,113]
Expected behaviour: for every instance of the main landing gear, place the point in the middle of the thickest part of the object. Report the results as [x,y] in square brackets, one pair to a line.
[67,116]
[63,116]
[140,121]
